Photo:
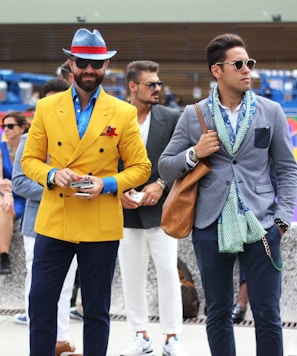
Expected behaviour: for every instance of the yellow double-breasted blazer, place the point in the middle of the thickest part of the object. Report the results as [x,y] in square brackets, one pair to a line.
[53,142]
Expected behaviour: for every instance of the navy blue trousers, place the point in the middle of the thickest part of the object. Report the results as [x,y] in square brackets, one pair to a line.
[264,290]
[96,263]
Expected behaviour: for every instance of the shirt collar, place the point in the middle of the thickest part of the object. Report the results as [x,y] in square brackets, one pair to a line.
[227,109]
[94,96]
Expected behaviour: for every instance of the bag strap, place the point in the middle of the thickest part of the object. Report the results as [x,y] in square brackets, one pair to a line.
[203,127]
[200,118]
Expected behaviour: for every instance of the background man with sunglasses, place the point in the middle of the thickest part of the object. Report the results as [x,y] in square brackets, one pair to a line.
[143,236]
[236,212]
[78,134]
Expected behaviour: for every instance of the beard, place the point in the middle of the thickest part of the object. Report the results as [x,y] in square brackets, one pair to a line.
[88,82]
[153,100]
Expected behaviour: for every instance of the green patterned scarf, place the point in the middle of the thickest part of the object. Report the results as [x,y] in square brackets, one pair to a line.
[237,224]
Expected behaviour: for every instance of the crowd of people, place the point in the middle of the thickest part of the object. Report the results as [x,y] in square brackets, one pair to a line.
[89,179]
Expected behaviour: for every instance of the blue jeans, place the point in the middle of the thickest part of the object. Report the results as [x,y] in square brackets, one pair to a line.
[52,258]
[264,290]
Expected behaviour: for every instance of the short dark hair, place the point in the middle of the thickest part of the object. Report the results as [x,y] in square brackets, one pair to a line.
[19,117]
[136,67]
[56,85]
[217,48]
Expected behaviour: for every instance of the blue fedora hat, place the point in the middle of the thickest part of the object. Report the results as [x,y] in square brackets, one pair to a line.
[89,45]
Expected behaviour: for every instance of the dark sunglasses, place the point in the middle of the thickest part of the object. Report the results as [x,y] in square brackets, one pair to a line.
[250,63]
[153,85]
[83,63]
[9,126]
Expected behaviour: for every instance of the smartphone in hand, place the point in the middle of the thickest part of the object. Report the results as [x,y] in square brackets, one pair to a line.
[82,183]
[137,196]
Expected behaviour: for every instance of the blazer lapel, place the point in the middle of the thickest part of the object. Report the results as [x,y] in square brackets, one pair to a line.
[248,137]
[157,127]
[66,116]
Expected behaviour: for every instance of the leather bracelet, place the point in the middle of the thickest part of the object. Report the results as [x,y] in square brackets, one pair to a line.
[281,224]
[161,183]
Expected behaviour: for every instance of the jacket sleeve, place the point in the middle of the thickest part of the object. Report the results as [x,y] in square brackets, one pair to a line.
[23,185]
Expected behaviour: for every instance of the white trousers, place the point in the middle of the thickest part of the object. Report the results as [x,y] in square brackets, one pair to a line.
[66,293]
[134,252]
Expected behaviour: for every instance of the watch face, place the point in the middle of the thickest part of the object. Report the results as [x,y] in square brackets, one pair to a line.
[193,155]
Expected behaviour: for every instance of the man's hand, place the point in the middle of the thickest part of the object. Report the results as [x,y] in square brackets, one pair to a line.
[94,191]
[207,144]
[153,193]
[63,177]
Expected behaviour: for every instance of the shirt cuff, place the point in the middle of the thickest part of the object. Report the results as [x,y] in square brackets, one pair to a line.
[50,178]
[110,185]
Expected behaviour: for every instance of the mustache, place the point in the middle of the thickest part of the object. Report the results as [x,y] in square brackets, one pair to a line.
[88,75]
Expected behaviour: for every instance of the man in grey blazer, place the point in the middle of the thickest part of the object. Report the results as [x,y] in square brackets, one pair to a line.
[237,212]
[143,236]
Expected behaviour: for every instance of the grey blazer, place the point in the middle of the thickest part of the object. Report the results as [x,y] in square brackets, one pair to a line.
[162,125]
[267,142]
[27,188]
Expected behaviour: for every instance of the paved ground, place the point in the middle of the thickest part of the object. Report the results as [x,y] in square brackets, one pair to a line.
[14,338]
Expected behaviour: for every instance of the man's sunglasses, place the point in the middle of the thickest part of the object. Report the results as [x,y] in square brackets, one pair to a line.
[153,85]
[9,126]
[250,63]
[83,63]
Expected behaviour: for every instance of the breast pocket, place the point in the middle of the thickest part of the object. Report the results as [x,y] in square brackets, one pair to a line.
[262,137]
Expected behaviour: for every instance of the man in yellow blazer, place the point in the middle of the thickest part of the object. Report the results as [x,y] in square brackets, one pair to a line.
[78,134]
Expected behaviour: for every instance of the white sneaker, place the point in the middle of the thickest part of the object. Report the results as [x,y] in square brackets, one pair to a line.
[173,348]
[20,319]
[140,346]
[74,314]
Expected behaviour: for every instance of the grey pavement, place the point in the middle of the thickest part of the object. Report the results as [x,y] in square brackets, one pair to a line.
[14,339]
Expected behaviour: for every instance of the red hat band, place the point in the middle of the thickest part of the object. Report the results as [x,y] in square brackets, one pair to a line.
[88,49]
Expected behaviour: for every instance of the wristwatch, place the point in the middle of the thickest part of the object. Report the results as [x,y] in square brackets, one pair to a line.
[192,155]
[281,224]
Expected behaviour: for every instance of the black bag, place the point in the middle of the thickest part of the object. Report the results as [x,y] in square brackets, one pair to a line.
[189,294]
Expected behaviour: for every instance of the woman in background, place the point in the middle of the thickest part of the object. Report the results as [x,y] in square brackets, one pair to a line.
[14,124]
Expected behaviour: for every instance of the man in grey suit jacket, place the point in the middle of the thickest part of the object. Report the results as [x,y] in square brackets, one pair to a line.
[237,213]
[142,233]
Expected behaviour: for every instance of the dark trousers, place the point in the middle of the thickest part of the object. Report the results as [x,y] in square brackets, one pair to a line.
[264,290]
[52,258]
